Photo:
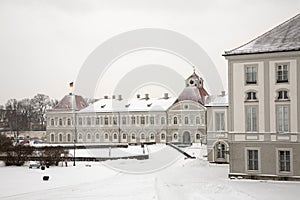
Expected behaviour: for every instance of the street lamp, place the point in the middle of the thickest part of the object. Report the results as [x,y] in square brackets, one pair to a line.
[74,153]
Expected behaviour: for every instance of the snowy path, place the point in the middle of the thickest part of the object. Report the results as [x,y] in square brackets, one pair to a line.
[191,179]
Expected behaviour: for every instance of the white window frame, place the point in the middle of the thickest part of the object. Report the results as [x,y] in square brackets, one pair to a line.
[284,77]
[251,124]
[220,126]
[251,75]
[282,119]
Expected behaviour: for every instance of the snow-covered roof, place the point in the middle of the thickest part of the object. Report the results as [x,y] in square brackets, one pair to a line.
[285,37]
[217,100]
[71,102]
[138,104]
[194,94]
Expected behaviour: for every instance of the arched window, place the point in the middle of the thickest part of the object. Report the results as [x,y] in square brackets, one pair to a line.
[175,136]
[69,138]
[152,136]
[60,138]
[88,136]
[162,120]
[106,136]
[133,136]
[163,136]
[220,150]
[115,136]
[282,95]
[60,122]
[80,137]
[52,122]
[142,136]
[124,136]
[52,138]
[175,120]
[69,122]
[186,120]
[197,136]
[97,136]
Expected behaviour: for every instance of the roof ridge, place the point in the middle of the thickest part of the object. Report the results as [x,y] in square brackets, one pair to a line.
[276,27]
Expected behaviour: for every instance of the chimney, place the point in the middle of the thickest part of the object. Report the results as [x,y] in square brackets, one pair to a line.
[70,93]
[223,93]
[138,96]
[146,96]
[119,97]
[113,96]
[166,95]
[105,97]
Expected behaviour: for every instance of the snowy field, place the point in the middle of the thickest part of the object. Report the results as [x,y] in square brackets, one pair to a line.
[166,175]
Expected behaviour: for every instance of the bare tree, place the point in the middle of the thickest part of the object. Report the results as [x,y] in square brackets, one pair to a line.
[41,103]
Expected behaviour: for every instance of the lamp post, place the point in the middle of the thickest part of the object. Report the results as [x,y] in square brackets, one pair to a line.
[74,153]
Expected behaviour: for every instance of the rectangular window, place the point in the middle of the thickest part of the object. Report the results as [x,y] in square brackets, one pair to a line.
[142,120]
[251,118]
[97,121]
[152,120]
[115,120]
[88,121]
[220,121]
[251,74]
[284,161]
[252,158]
[105,120]
[132,120]
[282,73]
[282,118]
[123,120]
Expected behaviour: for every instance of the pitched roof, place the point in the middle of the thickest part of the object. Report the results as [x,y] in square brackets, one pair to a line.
[71,102]
[141,104]
[284,37]
[216,101]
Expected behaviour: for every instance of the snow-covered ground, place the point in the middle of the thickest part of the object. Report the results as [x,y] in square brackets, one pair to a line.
[165,175]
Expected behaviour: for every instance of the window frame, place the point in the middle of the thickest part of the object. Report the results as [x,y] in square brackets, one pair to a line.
[283,120]
[252,66]
[277,65]
[251,128]
[254,170]
[218,126]
[278,161]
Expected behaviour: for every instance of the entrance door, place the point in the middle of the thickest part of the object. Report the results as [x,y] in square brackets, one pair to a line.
[186,138]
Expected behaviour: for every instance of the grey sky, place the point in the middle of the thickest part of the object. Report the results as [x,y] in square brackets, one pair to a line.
[44,43]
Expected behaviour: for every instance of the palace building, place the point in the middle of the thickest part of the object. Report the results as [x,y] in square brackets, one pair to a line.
[264,104]
[192,117]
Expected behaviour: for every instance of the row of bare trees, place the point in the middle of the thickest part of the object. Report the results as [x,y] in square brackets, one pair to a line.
[26,114]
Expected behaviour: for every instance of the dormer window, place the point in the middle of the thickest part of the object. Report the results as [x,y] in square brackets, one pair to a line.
[251,96]
[282,95]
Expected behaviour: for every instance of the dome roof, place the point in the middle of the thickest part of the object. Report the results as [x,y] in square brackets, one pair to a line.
[193,94]
[71,102]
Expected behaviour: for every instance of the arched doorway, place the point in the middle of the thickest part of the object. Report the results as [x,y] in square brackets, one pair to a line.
[186,138]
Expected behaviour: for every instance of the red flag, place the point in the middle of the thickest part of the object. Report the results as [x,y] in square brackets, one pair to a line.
[71,84]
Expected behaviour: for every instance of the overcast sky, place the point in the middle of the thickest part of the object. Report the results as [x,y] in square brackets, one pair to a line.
[43,44]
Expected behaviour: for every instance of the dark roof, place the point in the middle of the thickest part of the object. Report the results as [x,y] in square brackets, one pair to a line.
[194,75]
[71,102]
[193,94]
[284,37]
